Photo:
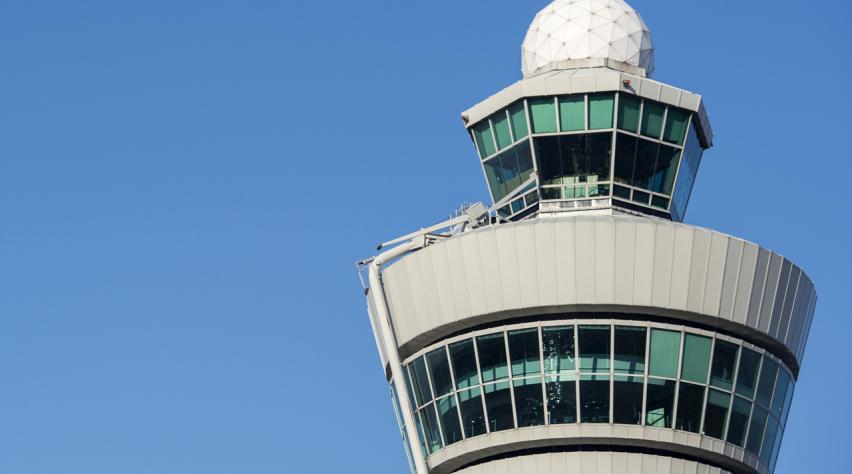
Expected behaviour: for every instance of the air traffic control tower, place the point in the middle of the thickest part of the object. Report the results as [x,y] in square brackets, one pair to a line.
[576,325]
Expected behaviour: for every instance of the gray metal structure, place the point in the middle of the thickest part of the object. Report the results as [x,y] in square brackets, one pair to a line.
[576,325]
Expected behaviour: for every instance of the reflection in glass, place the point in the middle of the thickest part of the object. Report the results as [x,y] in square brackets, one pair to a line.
[473,418]
[439,371]
[627,400]
[464,364]
[739,421]
[628,112]
[508,170]
[716,413]
[561,400]
[600,111]
[594,342]
[519,120]
[676,124]
[688,170]
[652,119]
[768,440]
[523,349]
[528,402]
[724,361]
[629,350]
[558,347]
[492,357]
[665,346]
[448,413]
[696,358]
[501,129]
[484,139]
[690,402]
[543,115]
[755,430]
[660,403]
[572,113]
[430,428]
[498,404]
[594,398]
[767,381]
[747,374]
[420,381]
[780,394]
[574,159]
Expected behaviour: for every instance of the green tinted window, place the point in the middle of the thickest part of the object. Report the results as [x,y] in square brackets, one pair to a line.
[594,398]
[529,407]
[629,350]
[659,403]
[739,421]
[676,123]
[501,130]
[519,120]
[492,357]
[716,413]
[755,430]
[628,112]
[572,113]
[543,115]
[484,139]
[696,358]
[523,352]
[558,348]
[594,342]
[664,349]
[747,374]
[724,361]
[627,400]
[652,119]
[767,381]
[689,402]
[600,111]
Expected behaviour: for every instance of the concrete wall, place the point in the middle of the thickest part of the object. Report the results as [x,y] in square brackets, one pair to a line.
[592,463]
[616,264]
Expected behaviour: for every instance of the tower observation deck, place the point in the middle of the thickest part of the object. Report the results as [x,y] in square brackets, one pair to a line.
[575,324]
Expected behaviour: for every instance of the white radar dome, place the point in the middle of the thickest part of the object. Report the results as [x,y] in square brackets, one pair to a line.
[575,33]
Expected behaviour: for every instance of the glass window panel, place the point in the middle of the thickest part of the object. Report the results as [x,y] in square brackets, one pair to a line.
[525,162]
[492,357]
[690,403]
[594,397]
[739,421]
[599,156]
[665,346]
[622,192]
[551,193]
[448,413]
[523,349]
[561,400]
[558,348]
[430,428]
[767,382]
[528,402]
[473,418]
[696,358]
[625,155]
[768,440]
[627,400]
[464,364]
[676,123]
[659,403]
[629,350]
[787,400]
[747,374]
[628,112]
[420,381]
[517,205]
[519,120]
[716,413]
[780,394]
[665,170]
[724,361]
[572,113]
[600,111]
[543,115]
[484,139]
[777,446]
[498,404]
[645,164]
[501,130]
[494,176]
[531,198]
[439,371]
[594,342]
[660,202]
[755,430]
[688,169]
[652,119]
[641,196]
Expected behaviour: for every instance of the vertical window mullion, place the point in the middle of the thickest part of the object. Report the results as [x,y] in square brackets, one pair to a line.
[434,401]
[677,377]
[454,392]
[577,369]
[543,376]
[706,379]
[481,386]
[612,373]
[645,379]
[511,377]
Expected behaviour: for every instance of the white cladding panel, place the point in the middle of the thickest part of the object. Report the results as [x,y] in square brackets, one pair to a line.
[592,463]
[597,263]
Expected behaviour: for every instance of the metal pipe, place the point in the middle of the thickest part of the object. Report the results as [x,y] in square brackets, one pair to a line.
[377,293]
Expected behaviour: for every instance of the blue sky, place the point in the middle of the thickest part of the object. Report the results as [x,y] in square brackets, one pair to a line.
[185,185]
